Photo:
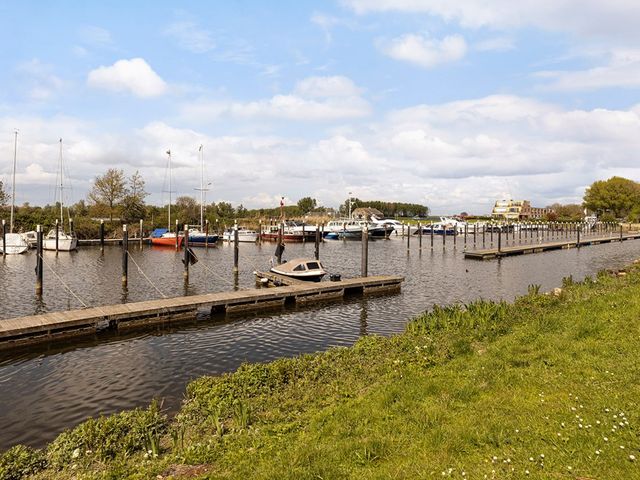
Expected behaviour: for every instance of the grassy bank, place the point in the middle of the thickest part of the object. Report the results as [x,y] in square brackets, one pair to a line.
[546,387]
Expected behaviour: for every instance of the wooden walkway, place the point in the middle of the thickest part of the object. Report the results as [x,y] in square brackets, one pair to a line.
[46,327]
[488,253]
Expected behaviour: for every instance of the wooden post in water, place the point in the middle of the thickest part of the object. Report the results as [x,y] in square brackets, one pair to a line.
[491,234]
[259,231]
[39,261]
[431,234]
[465,234]
[236,248]
[484,231]
[185,244]
[57,234]
[499,239]
[475,227]
[578,238]
[177,239]
[125,255]
[101,236]
[317,245]
[455,236]
[206,234]
[304,237]
[4,237]
[408,237]
[141,233]
[280,243]
[322,232]
[365,251]
[620,232]
[419,236]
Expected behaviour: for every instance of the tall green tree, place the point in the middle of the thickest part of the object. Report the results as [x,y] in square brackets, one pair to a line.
[307,204]
[616,195]
[109,189]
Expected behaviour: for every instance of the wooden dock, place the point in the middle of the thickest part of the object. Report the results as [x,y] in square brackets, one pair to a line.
[16,332]
[489,253]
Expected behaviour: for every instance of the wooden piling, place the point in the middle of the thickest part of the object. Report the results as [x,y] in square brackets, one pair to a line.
[304,237]
[365,251]
[259,231]
[317,245]
[141,233]
[39,261]
[578,238]
[236,248]
[102,236]
[280,243]
[455,236]
[499,239]
[620,232]
[444,236]
[465,234]
[206,234]
[125,255]
[185,243]
[431,234]
[4,237]
[177,239]
[408,236]
[57,234]
[419,236]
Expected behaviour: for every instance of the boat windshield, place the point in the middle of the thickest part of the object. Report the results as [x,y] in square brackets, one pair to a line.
[313,266]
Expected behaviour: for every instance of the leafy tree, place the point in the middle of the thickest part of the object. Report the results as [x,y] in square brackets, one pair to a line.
[306,204]
[571,212]
[241,212]
[188,210]
[225,210]
[133,206]
[617,195]
[109,189]
[4,197]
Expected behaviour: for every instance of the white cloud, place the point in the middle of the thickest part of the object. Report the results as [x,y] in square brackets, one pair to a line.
[134,76]
[315,99]
[622,70]
[96,36]
[191,36]
[614,18]
[424,51]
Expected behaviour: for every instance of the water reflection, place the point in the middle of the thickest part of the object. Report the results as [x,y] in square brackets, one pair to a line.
[46,389]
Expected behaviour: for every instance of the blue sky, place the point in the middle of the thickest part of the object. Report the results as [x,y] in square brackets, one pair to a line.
[450,104]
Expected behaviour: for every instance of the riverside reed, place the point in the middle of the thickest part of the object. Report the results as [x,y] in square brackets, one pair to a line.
[545,387]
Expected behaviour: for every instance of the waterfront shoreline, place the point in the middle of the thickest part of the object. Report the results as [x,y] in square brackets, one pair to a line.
[406,405]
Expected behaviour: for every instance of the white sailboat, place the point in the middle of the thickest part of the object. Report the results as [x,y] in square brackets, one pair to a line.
[65,241]
[13,244]
[197,236]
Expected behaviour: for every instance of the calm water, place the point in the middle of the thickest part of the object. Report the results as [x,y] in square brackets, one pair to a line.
[51,388]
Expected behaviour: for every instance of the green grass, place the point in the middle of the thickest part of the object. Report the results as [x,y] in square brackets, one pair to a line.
[546,387]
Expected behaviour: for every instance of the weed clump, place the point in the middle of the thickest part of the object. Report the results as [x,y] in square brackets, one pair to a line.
[20,461]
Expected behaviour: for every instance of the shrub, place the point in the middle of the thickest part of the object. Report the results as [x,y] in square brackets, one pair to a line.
[20,461]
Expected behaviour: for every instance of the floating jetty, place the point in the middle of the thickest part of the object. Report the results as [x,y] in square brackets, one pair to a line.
[20,331]
[489,253]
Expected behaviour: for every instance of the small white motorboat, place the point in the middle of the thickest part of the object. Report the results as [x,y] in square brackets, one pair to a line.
[301,269]
[31,237]
[244,235]
[15,244]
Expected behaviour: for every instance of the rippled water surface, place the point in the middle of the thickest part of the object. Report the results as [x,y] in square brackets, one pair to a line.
[44,390]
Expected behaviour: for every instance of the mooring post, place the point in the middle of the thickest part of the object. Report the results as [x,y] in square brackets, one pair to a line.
[177,239]
[57,234]
[475,227]
[101,236]
[419,237]
[317,245]
[484,232]
[206,234]
[408,236]
[620,232]
[279,246]
[141,233]
[455,236]
[185,243]
[444,236]
[125,255]
[491,234]
[39,261]
[365,250]
[4,237]
[431,234]
[304,236]
[259,231]
[236,248]
[322,232]
[578,236]
[465,234]
[499,240]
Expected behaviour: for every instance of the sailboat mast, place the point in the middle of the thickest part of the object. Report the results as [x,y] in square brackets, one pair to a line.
[13,182]
[201,187]
[169,219]
[61,187]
